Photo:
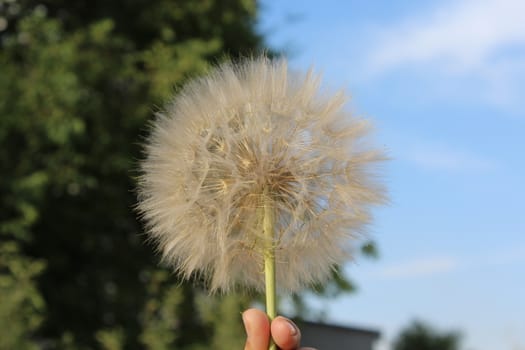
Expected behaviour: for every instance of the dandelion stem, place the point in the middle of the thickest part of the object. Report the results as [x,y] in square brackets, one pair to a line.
[269,260]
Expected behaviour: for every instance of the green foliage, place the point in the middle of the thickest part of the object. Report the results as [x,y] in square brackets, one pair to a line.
[216,313]
[420,336]
[77,82]
[21,306]
[160,313]
[111,339]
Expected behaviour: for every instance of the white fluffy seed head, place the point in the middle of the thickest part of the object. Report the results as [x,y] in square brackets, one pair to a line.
[224,139]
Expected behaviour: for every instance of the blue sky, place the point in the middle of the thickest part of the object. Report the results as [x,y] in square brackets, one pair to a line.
[444,82]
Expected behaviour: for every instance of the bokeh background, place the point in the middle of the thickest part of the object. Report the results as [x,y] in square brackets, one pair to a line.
[443,81]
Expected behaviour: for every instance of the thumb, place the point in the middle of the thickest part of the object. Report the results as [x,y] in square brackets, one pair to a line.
[257,328]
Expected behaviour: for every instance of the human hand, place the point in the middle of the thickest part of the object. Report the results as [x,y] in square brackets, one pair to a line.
[284,332]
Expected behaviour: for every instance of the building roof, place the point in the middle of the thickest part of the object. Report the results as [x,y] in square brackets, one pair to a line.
[336,337]
[347,329]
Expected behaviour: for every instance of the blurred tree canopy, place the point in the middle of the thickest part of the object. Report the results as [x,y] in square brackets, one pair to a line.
[420,336]
[78,80]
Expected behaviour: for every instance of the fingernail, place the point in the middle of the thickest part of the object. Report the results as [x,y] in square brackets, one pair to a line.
[293,329]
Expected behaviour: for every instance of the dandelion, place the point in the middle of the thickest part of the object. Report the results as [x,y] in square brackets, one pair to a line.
[252,169]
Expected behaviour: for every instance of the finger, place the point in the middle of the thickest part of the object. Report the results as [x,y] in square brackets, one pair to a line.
[257,328]
[285,333]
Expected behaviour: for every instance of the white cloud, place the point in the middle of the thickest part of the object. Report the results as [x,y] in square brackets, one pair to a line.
[447,159]
[438,264]
[463,35]
[511,255]
[479,43]
[423,267]
[438,154]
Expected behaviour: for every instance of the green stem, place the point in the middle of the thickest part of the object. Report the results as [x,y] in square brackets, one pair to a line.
[269,262]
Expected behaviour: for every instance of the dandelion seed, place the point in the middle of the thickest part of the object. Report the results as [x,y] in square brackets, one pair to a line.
[243,139]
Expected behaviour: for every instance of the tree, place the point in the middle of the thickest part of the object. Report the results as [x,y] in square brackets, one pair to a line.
[420,336]
[78,80]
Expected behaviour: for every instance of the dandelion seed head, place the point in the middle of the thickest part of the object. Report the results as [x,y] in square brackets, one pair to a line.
[245,134]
